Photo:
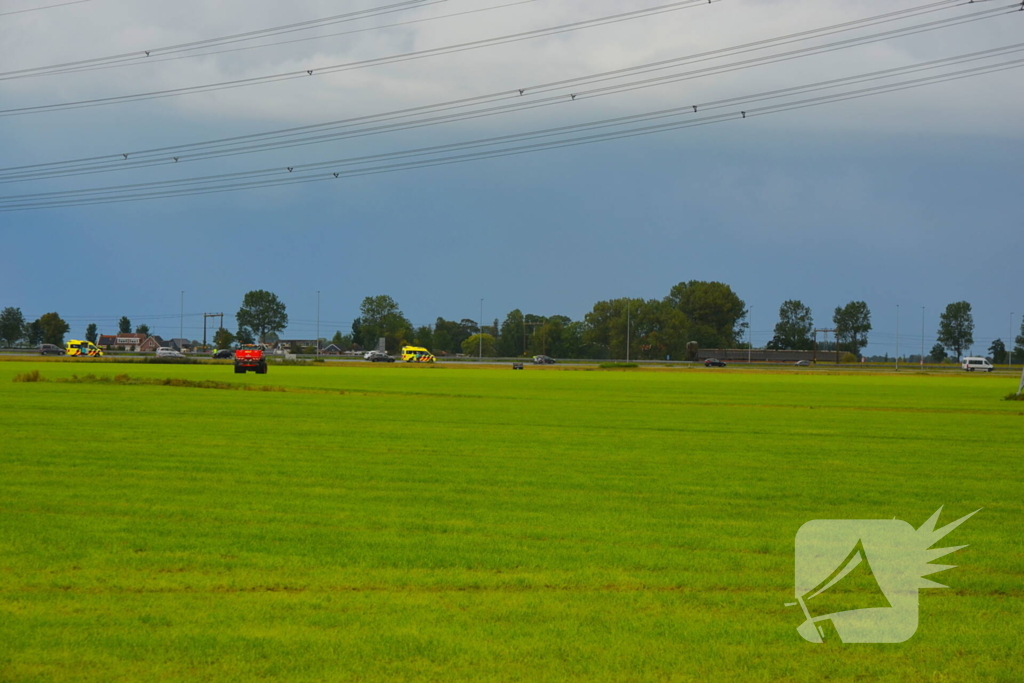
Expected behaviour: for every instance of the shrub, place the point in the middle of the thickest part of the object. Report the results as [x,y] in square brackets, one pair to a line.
[618,366]
[848,358]
[33,376]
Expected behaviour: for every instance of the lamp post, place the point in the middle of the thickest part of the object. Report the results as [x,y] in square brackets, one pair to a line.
[750,333]
[181,317]
[897,337]
[481,329]
[922,337]
[1010,345]
[628,325]
[318,322]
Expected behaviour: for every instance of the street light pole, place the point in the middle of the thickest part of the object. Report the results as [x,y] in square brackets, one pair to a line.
[481,329]
[181,317]
[318,322]
[750,333]
[1010,344]
[897,337]
[922,336]
[628,325]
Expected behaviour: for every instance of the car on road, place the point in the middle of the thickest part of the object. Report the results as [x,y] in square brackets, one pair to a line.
[377,356]
[714,363]
[224,353]
[168,352]
[51,350]
[972,363]
[802,363]
[543,360]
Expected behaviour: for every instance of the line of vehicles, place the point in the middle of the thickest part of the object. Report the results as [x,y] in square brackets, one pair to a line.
[253,356]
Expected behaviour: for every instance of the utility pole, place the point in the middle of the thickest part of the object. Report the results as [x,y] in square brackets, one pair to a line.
[211,315]
[627,329]
[750,333]
[318,322]
[1010,342]
[481,326]
[922,337]
[181,317]
[825,332]
[897,337]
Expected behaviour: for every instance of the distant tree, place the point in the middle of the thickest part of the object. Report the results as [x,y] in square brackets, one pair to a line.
[471,345]
[245,336]
[793,331]
[12,326]
[142,329]
[357,333]
[956,327]
[34,333]
[53,328]
[997,350]
[510,336]
[424,336]
[271,338]
[338,339]
[713,311]
[379,317]
[938,353]
[1018,350]
[91,333]
[223,339]
[124,325]
[262,312]
[853,322]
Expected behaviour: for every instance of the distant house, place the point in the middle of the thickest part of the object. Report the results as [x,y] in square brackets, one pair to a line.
[128,341]
[152,344]
[179,344]
[331,350]
[295,345]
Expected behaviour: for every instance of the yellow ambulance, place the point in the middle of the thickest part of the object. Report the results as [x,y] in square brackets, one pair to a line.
[77,347]
[417,354]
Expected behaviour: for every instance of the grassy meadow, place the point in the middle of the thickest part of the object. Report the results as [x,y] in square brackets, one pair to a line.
[408,523]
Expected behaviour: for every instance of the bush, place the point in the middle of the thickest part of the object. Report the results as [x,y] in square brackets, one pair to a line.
[33,376]
[849,358]
[1014,397]
[618,366]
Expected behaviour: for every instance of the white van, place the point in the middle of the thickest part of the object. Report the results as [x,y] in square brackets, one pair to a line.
[972,363]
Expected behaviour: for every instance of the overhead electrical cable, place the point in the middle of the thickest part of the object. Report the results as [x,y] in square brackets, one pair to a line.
[315,133]
[149,60]
[392,59]
[395,162]
[143,55]
[36,9]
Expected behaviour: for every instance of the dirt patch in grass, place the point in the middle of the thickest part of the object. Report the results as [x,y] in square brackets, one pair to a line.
[127,380]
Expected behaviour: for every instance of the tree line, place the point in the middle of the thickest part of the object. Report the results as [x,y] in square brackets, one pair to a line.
[694,313]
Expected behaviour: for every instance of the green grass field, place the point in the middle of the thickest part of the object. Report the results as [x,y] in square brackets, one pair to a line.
[396,523]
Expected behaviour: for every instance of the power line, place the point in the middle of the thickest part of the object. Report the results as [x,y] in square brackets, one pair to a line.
[129,193]
[146,58]
[315,133]
[36,9]
[392,59]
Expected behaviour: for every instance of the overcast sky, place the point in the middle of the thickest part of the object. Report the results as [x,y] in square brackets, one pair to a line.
[910,198]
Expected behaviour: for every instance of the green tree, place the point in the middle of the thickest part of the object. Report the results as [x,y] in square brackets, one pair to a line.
[245,336]
[511,336]
[998,351]
[956,327]
[424,336]
[1018,351]
[657,329]
[12,326]
[142,329]
[91,333]
[34,333]
[938,353]
[223,339]
[853,322]
[471,345]
[713,311]
[53,328]
[357,333]
[379,317]
[124,325]
[262,312]
[793,331]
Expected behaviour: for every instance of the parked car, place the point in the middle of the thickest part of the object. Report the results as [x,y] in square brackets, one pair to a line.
[51,350]
[168,352]
[972,363]
[543,360]
[224,353]
[376,356]
[802,363]
[714,363]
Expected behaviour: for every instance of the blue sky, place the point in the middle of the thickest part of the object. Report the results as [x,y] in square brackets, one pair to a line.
[910,198]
